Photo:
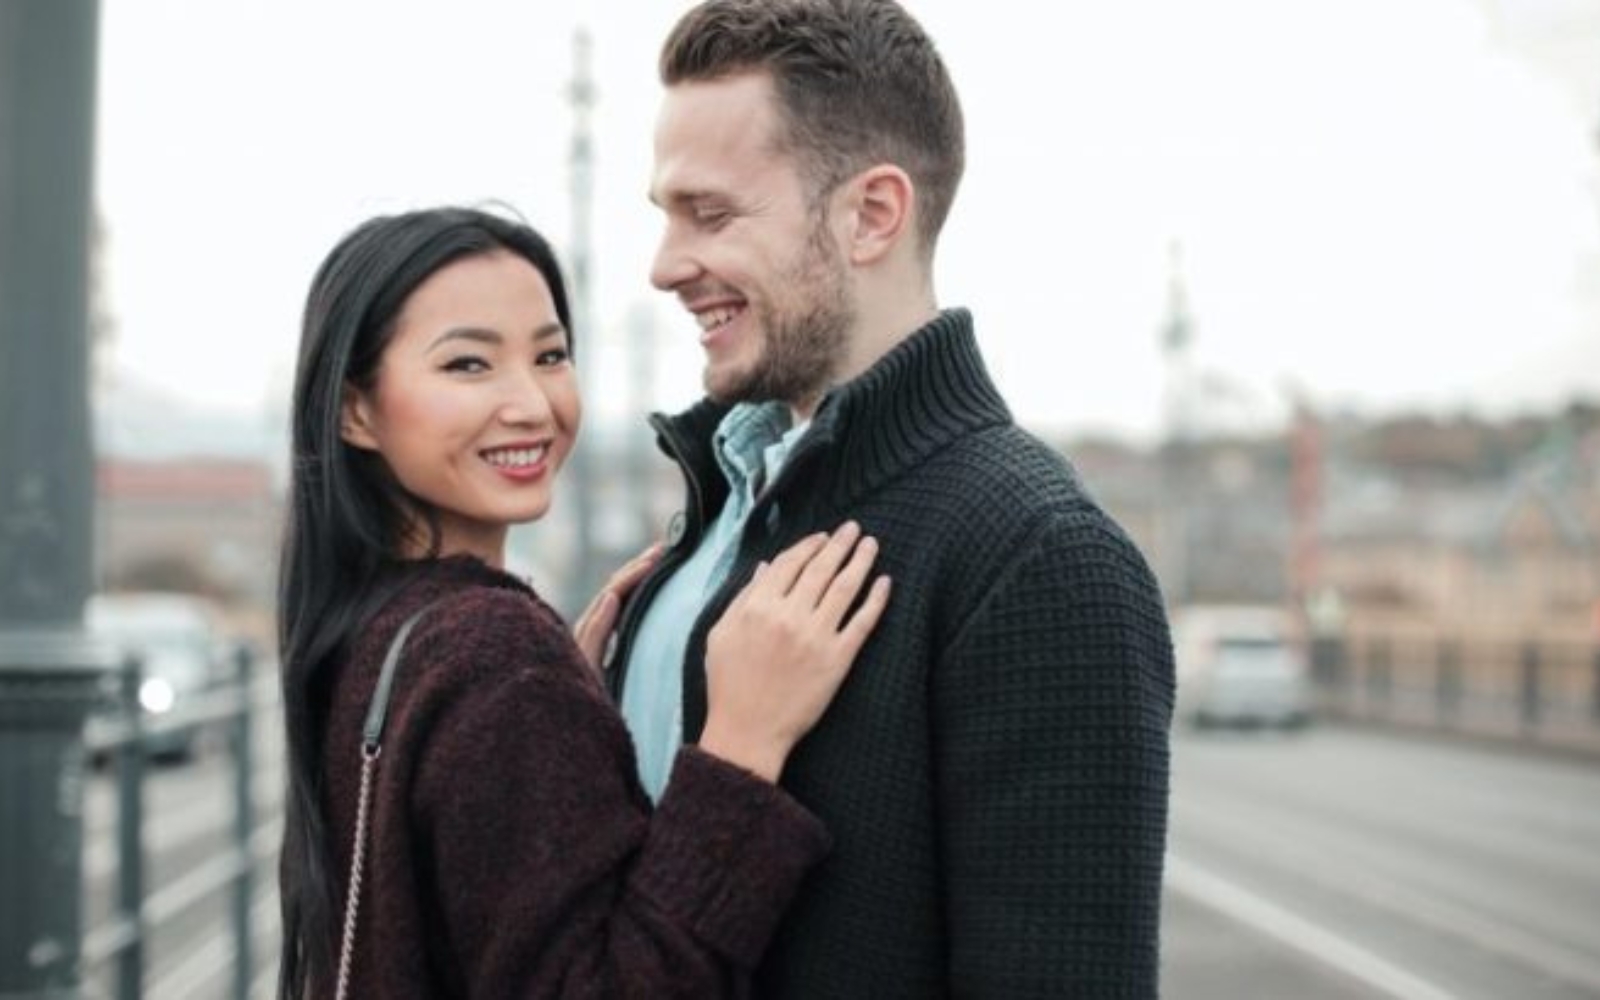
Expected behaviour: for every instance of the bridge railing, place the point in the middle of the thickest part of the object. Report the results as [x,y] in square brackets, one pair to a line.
[115,952]
[1532,690]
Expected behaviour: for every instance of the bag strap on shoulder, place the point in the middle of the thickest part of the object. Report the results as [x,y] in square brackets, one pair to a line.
[378,709]
[371,739]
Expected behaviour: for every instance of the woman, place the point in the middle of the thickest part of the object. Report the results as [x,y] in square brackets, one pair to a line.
[509,849]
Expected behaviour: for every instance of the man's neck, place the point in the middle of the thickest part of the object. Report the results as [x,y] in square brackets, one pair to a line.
[892,303]
[874,335]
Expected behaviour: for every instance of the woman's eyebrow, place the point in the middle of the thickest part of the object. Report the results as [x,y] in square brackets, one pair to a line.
[474,333]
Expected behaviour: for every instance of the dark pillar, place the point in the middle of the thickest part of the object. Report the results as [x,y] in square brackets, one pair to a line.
[1448,685]
[1532,699]
[49,671]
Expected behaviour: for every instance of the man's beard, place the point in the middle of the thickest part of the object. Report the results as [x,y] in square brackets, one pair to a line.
[803,346]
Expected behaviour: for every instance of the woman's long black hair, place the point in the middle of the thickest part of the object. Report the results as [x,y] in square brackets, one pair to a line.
[347,518]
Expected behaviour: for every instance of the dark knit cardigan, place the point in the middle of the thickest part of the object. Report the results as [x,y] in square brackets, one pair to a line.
[995,770]
[513,852]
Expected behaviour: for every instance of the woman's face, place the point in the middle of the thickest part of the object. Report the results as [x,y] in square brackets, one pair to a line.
[475,405]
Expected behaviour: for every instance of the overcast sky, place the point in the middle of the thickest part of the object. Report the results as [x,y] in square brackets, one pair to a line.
[1384,203]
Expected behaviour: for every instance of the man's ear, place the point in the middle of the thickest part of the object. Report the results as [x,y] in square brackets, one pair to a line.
[882,198]
[355,420]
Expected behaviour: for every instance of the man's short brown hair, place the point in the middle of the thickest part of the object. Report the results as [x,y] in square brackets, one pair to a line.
[858,83]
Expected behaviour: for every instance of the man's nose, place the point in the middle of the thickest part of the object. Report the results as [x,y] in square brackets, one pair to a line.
[672,265]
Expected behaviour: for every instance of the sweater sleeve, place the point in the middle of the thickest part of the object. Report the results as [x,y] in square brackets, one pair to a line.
[555,876]
[1053,710]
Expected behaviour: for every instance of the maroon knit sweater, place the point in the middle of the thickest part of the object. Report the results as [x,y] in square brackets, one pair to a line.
[513,852]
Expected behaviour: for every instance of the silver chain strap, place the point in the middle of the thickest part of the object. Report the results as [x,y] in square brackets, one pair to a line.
[371,740]
[358,854]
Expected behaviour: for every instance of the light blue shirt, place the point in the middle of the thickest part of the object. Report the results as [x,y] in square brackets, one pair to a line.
[751,444]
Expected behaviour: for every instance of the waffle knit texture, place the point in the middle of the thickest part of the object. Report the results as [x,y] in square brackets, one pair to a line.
[513,853]
[995,770]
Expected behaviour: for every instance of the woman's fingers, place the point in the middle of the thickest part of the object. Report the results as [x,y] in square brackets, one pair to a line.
[621,583]
[841,589]
[631,572]
[823,566]
[807,566]
[777,655]
[787,566]
[855,631]
[814,582]
[594,627]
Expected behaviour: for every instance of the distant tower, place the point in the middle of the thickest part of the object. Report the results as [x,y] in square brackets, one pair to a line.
[1173,516]
[1177,337]
[584,574]
[641,390]
[1305,501]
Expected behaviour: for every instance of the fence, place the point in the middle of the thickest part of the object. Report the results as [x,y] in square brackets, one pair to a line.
[114,953]
[1532,691]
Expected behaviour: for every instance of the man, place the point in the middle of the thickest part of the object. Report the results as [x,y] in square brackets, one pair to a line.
[994,772]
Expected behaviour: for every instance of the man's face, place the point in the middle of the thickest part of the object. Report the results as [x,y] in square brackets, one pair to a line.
[744,250]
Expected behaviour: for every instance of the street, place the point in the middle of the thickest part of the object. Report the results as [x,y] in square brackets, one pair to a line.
[1344,863]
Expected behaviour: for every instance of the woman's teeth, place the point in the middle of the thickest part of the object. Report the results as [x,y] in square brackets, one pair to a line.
[512,458]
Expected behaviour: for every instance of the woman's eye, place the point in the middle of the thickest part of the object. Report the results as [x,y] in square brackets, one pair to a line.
[468,364]
[553,357]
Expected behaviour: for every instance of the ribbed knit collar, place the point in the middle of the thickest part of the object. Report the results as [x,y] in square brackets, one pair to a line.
[928,391]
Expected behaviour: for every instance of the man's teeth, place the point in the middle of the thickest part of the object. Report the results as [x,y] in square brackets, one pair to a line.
[713,318]
[511,458]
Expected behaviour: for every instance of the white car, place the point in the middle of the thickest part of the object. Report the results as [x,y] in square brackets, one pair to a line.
[1240,665]
[180,643]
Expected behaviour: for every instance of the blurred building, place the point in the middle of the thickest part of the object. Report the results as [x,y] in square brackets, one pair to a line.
[1505,564]
[1449,569]
[1459,525]
[205,525]
[1212,515]
[1471,607]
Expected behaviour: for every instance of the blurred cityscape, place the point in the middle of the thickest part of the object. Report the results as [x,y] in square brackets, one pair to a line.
[1429,536]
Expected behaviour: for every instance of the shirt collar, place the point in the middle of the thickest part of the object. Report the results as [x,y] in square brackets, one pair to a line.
[744,434]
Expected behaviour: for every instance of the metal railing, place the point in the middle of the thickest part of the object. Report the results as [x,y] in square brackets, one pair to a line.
[1534,691]
[119,945]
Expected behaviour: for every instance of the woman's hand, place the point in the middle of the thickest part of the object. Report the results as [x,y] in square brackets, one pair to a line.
[779,653]
[599,619]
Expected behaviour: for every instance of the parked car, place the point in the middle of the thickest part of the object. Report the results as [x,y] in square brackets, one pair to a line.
[1240,665]
[181,644]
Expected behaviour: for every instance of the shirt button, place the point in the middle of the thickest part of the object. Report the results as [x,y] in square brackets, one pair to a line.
[676,529]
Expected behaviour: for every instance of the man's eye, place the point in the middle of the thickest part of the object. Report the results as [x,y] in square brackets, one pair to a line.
[469,364]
